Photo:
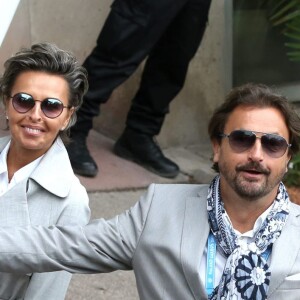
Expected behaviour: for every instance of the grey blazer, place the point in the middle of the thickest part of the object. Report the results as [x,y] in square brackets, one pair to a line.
[51,195]
[162,238]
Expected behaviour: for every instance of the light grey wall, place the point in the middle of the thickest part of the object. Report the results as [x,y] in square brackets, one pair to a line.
[75,24]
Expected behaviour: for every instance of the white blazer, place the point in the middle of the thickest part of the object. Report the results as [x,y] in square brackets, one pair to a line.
[52,195]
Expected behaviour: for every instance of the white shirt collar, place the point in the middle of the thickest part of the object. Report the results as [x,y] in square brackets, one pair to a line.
[257,224]
[19,176]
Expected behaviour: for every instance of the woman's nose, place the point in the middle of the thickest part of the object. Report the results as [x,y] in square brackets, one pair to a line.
[36,113]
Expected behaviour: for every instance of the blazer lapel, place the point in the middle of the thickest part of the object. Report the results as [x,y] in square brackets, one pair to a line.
[285,251]
[194,238]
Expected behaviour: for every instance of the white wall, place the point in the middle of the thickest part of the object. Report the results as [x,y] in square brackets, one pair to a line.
[7,12]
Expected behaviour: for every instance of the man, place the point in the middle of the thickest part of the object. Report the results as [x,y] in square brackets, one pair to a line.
[168,32]
[237,238]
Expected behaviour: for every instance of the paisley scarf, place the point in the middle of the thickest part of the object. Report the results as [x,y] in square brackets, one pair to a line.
[246,274]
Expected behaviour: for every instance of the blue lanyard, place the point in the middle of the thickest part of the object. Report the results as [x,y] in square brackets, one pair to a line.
[266,254]
[211,263]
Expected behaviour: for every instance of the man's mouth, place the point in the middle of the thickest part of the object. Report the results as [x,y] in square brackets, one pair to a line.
[251,169]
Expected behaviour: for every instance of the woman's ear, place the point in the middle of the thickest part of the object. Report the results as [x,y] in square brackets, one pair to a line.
[5,108]
[67,120]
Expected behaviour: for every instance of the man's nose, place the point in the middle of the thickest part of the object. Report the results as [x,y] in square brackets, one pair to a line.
[256,152]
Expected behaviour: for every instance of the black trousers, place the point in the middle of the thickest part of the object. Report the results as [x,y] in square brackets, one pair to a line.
[169,32]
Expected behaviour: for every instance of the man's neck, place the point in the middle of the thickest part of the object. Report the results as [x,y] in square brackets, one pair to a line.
[245,220]
[243,213]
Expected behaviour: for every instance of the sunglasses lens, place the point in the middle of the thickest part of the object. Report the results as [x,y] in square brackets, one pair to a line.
[22,103]
[241,140]
[52,108]
[274,145]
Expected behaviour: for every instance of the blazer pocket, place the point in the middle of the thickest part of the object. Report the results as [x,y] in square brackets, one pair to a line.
[290,283]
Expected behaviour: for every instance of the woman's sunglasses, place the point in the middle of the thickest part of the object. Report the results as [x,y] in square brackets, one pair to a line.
[51,107]
[273,144]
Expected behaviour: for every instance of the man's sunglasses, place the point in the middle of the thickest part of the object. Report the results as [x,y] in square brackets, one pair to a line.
[51,107]
[273,144]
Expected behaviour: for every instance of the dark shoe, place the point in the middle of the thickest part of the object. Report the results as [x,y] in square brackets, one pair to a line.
[143,150]
[81,160]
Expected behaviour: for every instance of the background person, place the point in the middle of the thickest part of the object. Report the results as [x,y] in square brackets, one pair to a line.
[41,87]
[227,240]
[168,32]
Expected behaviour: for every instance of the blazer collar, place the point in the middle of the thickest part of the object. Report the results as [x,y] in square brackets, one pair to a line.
[194,238]
[285,249]
[54,173]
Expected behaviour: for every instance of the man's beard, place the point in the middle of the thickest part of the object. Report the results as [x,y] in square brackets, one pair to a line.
[250,189]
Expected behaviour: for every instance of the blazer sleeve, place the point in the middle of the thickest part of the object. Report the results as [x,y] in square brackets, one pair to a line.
[54,285]
[101,246]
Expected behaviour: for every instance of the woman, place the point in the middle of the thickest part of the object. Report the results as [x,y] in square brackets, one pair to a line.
[41,88]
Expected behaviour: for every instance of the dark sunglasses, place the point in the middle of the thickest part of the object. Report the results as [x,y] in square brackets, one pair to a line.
[273,144]
[51,107]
